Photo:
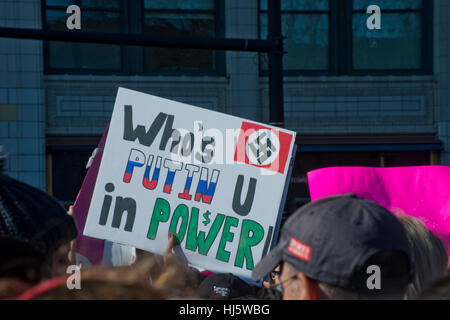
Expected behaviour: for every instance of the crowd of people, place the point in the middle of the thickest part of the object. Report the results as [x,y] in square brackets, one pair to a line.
[340,247]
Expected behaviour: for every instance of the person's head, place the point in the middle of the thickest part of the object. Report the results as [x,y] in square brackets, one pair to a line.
[31,215]
[101,290]
[429,254]
[21,266]
[96,283]
[193,279]
[392,270]
[341,247]
[271,289]
[20,260]
[225,286]
[437,291]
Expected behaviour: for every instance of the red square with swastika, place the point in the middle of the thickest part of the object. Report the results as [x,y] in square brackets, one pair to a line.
[263,147]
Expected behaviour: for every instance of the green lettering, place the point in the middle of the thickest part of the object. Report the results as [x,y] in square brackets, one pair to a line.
[227,236]
[181,212]
[161,213]
[193,240]
[246,242]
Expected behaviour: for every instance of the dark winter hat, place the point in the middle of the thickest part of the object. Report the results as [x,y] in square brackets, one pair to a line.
[32,215]
[224,286]
[3,158]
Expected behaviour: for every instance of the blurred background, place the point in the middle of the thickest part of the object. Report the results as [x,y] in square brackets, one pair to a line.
[355,97]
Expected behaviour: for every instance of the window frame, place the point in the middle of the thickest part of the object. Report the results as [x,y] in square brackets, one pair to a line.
[426,45]
[80,71]
[340,55]
[131,21]
[65,143]
[331,42]
[219,55]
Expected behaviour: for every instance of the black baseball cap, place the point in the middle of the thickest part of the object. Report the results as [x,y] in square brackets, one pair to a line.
[224,286]
[331,240]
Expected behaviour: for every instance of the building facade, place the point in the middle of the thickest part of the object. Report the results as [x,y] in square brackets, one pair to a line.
[354,95]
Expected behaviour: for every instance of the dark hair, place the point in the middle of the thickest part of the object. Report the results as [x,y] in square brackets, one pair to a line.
[438,291]
[429,253]
[98,283]
[92,289]
[20,260]
[194,277]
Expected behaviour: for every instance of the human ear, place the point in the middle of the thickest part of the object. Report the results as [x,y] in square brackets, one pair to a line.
[309,288]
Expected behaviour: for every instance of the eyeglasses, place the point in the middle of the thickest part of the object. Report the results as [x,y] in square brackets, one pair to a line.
[274,274]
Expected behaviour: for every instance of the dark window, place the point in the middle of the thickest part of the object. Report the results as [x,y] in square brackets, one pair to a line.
[331,37]
[96,16]
[305,24]
[179,18]
[397,45]
[68,169]
[67,158]
[199,18]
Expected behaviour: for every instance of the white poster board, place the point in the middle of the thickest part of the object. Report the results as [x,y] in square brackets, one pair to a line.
[215,181]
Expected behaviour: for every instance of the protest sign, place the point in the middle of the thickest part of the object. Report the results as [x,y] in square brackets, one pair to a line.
[213,180]
[420,192]
[90,248]
[91,251]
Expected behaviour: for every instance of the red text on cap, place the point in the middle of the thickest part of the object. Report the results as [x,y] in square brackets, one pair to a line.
[299,249]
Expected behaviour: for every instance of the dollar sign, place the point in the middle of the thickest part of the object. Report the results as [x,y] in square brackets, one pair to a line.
[206,217]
